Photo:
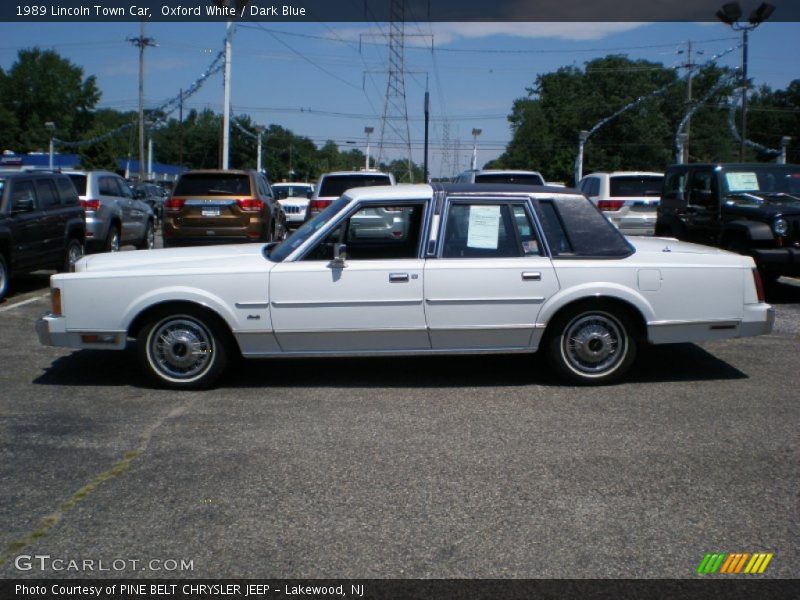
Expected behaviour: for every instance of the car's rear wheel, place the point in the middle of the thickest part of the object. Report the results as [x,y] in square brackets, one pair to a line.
[4,276]
[73,254]
[184,348]
[591,345]
[112,240]
[148,242]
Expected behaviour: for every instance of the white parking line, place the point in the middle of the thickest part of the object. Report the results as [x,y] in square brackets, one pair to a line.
[28,301]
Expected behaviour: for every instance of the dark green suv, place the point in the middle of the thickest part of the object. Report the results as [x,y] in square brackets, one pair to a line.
[42,223]
[751,209]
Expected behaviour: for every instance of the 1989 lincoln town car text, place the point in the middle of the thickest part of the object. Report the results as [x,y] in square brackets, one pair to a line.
[413,269]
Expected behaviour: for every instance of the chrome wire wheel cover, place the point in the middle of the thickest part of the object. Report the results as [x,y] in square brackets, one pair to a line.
[180,349]
[594,344]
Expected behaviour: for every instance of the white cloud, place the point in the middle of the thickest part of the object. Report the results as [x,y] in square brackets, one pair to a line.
[445,33]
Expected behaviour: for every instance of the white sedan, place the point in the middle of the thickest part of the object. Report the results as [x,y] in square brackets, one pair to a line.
[455,269]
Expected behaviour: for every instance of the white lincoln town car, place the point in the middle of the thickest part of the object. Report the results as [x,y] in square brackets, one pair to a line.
[413,269]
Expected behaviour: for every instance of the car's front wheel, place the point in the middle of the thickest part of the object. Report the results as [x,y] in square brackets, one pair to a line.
[591,345]
[184,349]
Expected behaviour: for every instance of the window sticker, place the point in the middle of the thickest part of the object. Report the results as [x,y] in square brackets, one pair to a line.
[484,227]
[741,182]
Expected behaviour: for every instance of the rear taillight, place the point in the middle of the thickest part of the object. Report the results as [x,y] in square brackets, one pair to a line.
[316,206]
[610,204]
[90,204]
[250,204]
[759,286]
[174,204]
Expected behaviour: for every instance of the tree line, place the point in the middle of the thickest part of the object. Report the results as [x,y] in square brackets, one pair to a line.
[42,86]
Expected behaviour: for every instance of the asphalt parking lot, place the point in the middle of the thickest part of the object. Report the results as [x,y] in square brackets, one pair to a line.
[435,467]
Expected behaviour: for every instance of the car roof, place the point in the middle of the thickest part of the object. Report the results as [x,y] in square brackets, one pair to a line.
[288,183]
[364,173]
[422,191]
[734,165]
[627,173]
[218,171]
[501,171]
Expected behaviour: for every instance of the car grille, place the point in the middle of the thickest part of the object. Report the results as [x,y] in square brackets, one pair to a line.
[292,210]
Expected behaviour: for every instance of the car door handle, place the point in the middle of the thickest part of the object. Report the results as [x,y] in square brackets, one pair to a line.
[398,277]
[531,276]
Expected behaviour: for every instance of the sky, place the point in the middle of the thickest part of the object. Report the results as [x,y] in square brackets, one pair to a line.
[329,80]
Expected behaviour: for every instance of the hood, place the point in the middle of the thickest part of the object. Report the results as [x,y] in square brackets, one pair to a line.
[785,204]
[195,257]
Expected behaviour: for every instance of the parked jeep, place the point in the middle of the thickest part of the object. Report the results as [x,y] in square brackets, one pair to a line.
[42,223]
[751,209]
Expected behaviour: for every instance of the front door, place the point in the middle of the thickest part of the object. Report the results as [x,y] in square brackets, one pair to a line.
[369,300]
[492,276]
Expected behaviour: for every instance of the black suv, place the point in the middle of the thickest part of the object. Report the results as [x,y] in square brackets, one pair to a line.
[42,223]
[751,209]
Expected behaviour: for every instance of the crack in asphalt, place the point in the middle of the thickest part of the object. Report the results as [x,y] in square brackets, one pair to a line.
[49,521]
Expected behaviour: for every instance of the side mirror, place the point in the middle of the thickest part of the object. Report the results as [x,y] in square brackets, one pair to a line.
[339,257]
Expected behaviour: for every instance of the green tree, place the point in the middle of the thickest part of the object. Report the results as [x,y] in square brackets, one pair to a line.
[545,124]
[42,86]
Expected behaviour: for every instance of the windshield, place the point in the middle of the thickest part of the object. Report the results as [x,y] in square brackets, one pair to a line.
[291,191]
[630,186]
[336,185]
[309,228]
[767,179]
[518,178]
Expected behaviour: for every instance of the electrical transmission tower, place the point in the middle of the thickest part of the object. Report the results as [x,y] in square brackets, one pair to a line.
[395,110]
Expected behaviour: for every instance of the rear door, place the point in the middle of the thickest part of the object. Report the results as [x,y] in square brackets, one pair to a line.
[53,220]
[491,277]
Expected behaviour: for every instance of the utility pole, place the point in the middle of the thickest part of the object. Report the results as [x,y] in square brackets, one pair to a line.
[226,105]
[689,76]
[141,42]
[180,129]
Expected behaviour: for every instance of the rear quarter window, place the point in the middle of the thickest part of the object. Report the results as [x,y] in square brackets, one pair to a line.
[79,181]
[67,191]
[575,228]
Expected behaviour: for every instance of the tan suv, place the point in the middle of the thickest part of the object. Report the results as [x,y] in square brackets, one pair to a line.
[222,207]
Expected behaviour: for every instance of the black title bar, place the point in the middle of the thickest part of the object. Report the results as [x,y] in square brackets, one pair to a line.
[379,10]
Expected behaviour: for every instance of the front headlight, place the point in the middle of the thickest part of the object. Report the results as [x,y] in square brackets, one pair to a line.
[780,227]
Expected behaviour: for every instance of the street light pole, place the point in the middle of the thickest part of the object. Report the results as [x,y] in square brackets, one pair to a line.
[259,131]
[368,131]
[51,127]
[475,134]
[582,137]
[730,14]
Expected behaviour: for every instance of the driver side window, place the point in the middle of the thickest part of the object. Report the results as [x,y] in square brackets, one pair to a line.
[374,232]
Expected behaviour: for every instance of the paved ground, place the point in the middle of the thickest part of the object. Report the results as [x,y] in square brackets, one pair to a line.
[425,467]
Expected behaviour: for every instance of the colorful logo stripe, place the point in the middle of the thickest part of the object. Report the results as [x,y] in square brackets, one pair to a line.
[734,563]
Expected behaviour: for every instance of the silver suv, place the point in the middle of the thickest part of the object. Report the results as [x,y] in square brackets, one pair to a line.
[332,185]
[501,176]
[113,216]
[628,198]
